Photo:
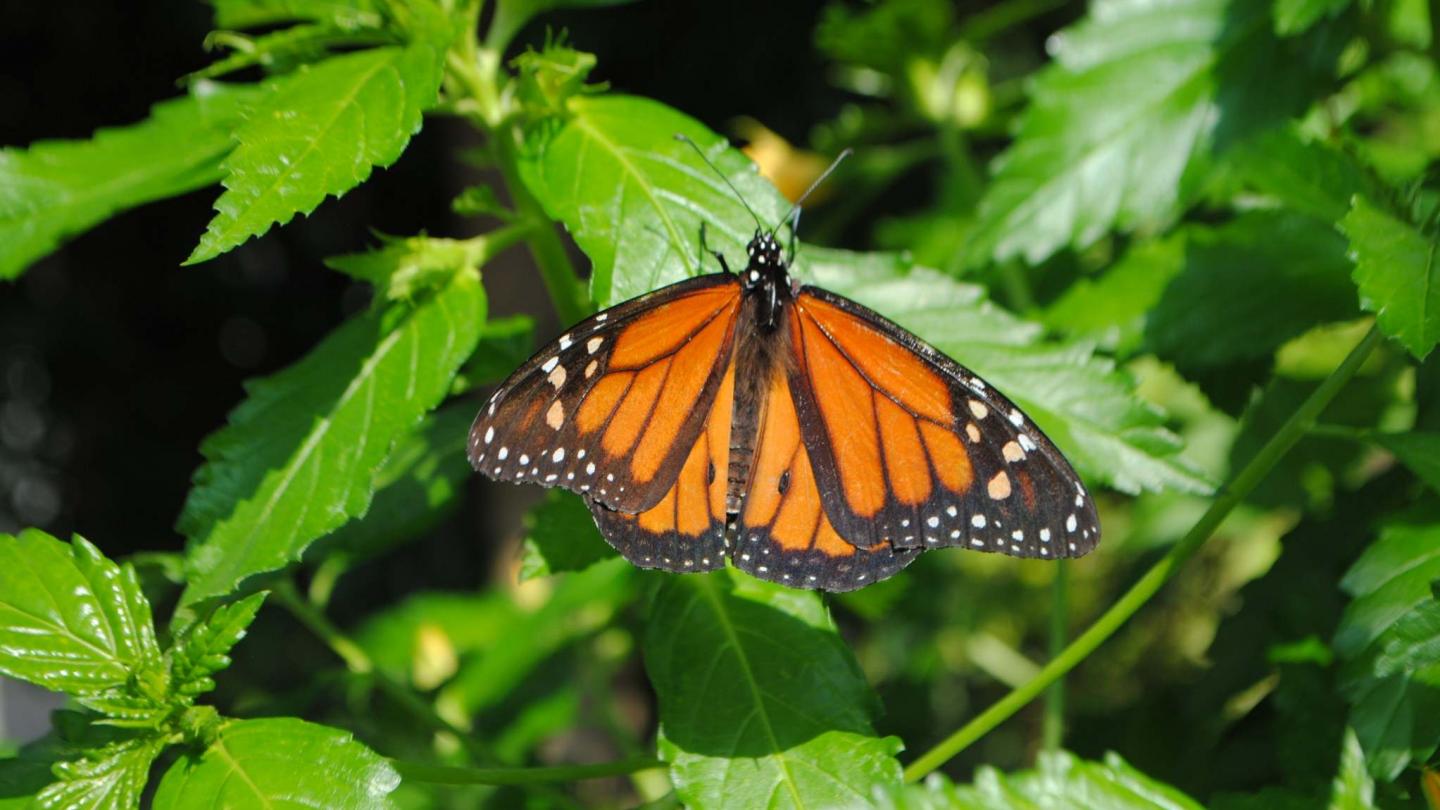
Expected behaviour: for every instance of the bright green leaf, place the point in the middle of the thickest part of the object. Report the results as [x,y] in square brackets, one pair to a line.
[110,778]
[256,13]
[1398,274]
[57,189]
[1386,638]
[1122,127]
[280,763]
[403,267]
[298,458]
[468,622]
[1352,789]
[1061,782]
[319,133]
[1295,16]
[1248,287]
[761,703]
[1417,450]
[203,649]
[417,487]
[561,536]
[70,619]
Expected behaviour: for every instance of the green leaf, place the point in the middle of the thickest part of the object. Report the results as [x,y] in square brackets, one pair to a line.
[561,536]
[416,488]
[1296,16]
[280,762]
[761,703]
[1248,287]
[319,133]
[204,648]
[298,458]
[480,201]
[511,16]
[1112,310]
[1386,639]
[403,267]
[505,344]
[347,14]
[1353,789]
[55,190]
[1306,175]
[1077,398]
[468,622]
[1122,127]
[1418,451]
[1398,275]
[1061,781]
[110,778]
[70,619]
[634,198]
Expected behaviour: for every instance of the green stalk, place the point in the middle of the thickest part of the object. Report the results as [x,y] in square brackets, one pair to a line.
[1150,583]
[447,775]
[1054,733]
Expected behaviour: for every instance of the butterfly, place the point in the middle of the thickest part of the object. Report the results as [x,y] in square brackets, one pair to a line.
[798,434]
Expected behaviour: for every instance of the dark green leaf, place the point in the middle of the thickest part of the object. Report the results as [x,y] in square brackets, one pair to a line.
[1079,399]
[298,458]
[511,15]
[319,132]
[1398,275]
[416,488]
[71,620]
[505,344]
[761,703]
[110,778]
[1249,286]
[1418,451]
[280,763]
[561,536]
[1295,16]
[1386,639]
[254,13]
[203,649]
[1061,782]
[57,189]
[1112,309]
[1122,127]
[1306,175]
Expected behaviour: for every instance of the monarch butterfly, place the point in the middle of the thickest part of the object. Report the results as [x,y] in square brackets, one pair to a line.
[804,437]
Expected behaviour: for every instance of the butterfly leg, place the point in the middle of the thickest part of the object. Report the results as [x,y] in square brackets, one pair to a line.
[705,248]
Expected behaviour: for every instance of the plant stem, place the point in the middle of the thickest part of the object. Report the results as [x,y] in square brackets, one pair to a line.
[359,663]
[1054,733]
[446,775]
[1146,587]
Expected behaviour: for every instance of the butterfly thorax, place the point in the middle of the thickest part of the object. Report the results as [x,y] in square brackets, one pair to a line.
[767,279]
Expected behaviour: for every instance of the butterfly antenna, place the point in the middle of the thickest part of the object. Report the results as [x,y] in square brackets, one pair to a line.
[759,226]
[803,197]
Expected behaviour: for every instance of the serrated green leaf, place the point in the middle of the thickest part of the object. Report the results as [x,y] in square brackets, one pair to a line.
[1062,781]
[1122,126]
[1398,274]
[1248,287]
[275,52]
[1077,398]
[280,762]
[634,198]
[1306,175]
[71,620]
[298,457]
[417,487]
[204,648]
[255,13]
[55,190]
[402,267]
[761,703]
[1417,450]
[110,778]
[561,536]
[319,133]
[1295,16]
[1395,707]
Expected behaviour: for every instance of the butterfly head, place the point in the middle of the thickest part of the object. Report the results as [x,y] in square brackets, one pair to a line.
[766,261]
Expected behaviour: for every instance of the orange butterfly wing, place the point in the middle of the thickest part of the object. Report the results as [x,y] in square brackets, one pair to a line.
[612,409]
[783,533]
[914,450]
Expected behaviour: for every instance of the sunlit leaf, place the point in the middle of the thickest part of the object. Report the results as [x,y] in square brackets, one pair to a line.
[110,778]
[255,13]
[203,649]
[1294,16]
[761,703]
[1398,273]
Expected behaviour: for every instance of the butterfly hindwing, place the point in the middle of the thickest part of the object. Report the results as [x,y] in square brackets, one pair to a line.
[612,408]
[912,448]
[783,533]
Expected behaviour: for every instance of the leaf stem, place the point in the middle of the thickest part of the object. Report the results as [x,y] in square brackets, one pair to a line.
[359,663]
[1150,583]
[1054,730]
[449,775]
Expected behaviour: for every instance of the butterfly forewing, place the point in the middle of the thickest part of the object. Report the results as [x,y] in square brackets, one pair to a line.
[910,448]
[612,408]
